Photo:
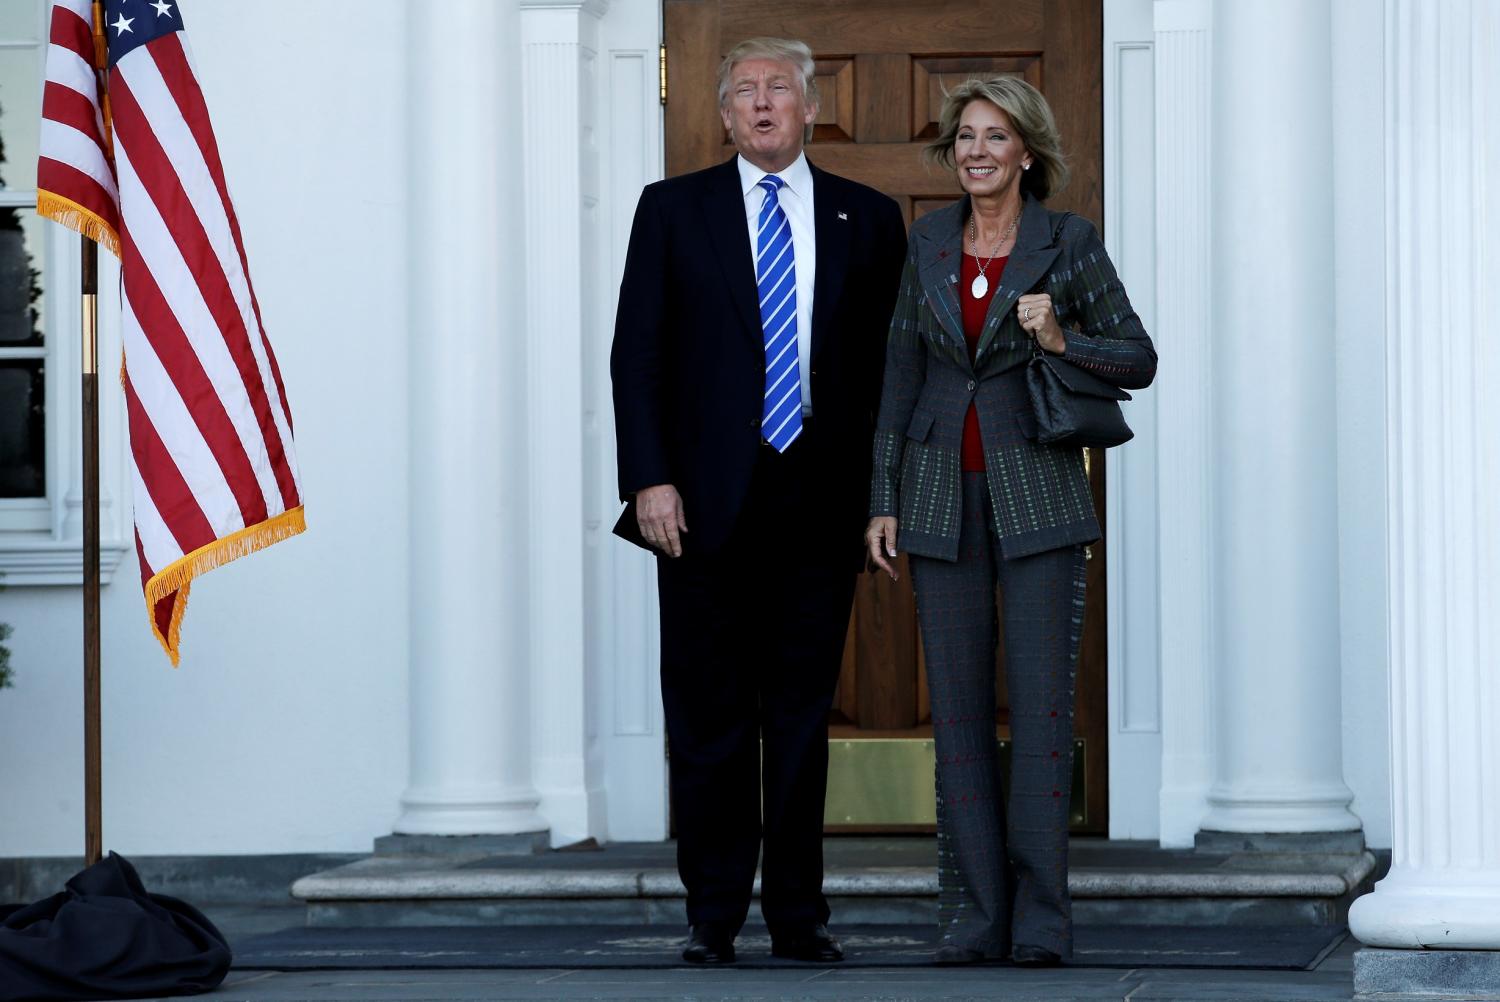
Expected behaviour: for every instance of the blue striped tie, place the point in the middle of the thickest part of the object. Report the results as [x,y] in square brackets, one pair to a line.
[776,277]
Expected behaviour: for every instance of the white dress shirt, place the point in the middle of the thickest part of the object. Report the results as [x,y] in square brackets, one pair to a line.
[796,198]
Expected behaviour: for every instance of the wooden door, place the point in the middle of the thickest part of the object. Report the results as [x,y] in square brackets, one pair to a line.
[882,67]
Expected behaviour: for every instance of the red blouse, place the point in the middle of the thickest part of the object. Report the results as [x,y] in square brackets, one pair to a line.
[974,311]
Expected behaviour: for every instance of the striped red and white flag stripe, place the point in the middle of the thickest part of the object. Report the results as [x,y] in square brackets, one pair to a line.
[135,164]
[76,185]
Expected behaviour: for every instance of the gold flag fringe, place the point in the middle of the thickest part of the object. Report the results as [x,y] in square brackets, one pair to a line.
[75,217]
[176,579]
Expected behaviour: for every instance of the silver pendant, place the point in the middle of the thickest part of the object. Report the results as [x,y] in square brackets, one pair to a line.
[979,286]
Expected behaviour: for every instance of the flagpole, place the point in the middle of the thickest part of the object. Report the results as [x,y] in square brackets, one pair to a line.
[93,839]
[93,778]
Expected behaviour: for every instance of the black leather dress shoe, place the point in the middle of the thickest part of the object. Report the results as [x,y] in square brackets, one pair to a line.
[708,944]
[950,954]
[1033,956]
[813,943]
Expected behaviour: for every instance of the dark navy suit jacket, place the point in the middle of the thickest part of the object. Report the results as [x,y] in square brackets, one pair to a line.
[688,363]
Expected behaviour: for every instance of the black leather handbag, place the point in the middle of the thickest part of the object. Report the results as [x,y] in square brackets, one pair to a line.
[1074,407]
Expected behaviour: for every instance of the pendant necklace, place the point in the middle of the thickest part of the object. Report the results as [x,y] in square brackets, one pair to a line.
[981,285]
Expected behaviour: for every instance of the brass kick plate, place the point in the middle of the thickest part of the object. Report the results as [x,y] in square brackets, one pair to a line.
[876,782]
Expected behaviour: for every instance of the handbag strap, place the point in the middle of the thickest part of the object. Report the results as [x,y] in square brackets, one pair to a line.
[1057,225]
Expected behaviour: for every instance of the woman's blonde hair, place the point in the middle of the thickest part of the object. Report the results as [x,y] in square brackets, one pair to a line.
[1028,112]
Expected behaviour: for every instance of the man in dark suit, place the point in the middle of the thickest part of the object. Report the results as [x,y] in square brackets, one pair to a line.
[747,363]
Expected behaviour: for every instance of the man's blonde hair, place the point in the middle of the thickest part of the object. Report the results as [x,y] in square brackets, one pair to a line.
[782,50]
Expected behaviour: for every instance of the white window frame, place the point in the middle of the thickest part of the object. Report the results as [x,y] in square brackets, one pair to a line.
[41,539]
[22,514]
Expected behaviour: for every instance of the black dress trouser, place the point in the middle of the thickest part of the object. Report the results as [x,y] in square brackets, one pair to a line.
[752,637]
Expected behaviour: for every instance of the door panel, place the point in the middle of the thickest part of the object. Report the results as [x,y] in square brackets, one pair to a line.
[882,69]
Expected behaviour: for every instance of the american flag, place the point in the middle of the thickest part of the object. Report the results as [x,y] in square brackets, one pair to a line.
[128,157]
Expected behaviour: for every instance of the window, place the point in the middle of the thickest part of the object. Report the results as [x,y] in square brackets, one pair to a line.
[41,524]
[23,340]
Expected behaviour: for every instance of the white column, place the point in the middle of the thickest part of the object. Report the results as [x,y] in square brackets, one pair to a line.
[470,714]
[559,42]
[1275,461]
[1184,391]
[1443,479]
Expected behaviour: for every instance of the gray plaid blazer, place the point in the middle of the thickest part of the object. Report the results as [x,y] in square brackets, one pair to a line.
[1039,493]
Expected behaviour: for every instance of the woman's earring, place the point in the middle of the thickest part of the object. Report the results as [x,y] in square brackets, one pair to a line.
[1026,166]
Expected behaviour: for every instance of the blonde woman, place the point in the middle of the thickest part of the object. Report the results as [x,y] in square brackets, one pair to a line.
[962,486]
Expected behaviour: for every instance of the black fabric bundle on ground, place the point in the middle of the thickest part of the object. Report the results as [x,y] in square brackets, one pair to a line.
[107,937]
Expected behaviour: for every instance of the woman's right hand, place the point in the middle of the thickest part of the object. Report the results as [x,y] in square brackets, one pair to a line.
[880,543]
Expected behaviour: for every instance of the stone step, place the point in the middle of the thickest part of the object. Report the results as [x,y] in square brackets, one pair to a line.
[866,881]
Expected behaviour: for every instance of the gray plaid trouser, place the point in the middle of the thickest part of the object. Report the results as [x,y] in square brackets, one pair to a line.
[1002,868]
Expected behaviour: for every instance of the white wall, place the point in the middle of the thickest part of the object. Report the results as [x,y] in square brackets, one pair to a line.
[1182,77]
[1130,181]
[1359,169]
[622,642]
[285,728]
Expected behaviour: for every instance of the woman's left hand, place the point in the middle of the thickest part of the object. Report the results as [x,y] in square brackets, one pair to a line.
[1036,316]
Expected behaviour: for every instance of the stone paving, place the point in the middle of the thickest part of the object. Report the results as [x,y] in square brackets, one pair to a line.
[1331,980]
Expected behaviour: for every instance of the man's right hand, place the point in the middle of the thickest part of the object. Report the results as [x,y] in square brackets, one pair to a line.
[658,512]
[880,543]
